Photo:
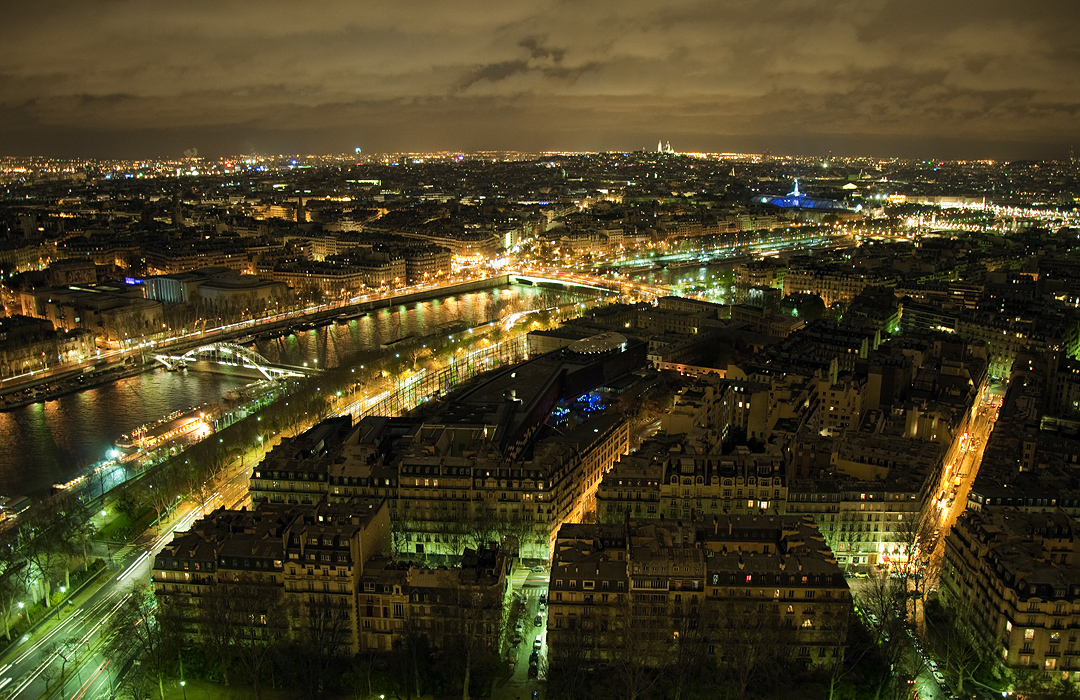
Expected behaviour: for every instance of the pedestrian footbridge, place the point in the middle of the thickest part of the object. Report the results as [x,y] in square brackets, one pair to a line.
[236,356]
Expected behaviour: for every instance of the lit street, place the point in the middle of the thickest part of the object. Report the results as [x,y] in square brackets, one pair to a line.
[33,668]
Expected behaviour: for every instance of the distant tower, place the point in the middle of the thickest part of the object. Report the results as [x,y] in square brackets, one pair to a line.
[660,146]
[795,192]
[177,211]
[667,148]
[301,215]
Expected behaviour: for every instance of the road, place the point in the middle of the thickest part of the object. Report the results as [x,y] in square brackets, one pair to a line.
[956,478]
[521,684]
[32,669]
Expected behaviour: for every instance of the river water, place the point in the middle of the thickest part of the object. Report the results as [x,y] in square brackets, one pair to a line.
[50,442]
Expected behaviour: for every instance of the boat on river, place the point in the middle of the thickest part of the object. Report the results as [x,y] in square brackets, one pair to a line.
[346,317]
[167,429]
[397,343]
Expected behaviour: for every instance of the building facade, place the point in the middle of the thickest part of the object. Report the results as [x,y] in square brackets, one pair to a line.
[641,588]
[1014,577]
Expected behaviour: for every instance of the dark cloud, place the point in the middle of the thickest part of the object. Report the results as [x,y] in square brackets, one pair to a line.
[538,51]
[493,73]
[133,77]
[543,60]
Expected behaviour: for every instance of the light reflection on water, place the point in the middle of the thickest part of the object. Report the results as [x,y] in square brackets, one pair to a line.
[49,442]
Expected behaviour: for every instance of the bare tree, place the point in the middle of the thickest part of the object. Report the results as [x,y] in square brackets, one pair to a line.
[216,627]
[636,663]
[412,653]
[135,632]
[45,539]
[14,571]
[570,660]
[481,524]
[689,660]
[417,353]
[848,646]
[839,532]
[325,632]
[883,600]
[754,644]
[474,620]
[361,670]
[198,484]
[65,653]
[164,492]
[955,636]
[517,532]
[915,538]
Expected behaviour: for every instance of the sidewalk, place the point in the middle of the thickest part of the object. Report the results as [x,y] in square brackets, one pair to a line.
[49,621]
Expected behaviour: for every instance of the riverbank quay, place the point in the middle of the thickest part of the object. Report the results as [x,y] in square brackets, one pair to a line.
[17,392]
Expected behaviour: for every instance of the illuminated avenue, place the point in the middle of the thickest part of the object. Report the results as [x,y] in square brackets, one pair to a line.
[728,432]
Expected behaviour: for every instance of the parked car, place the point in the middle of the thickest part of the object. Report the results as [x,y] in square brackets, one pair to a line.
[537,569]
[534,658]
[538,642]
[543,598]
[538,622]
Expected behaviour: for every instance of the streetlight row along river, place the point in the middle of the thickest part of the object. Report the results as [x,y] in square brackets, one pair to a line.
[50,442]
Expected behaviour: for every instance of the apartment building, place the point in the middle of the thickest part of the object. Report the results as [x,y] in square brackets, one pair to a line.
[323,574]
[447,605]
[1015,577]
[831,284]
[447,484]
[637,588]
[665,480]
[293,568]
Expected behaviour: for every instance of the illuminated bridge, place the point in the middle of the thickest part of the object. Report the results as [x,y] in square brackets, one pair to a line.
[567,281]
[589,282]
[232,355]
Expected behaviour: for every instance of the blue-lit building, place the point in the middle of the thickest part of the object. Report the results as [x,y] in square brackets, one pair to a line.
[797,200]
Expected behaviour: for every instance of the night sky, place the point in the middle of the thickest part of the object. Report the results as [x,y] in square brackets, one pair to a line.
[909,78]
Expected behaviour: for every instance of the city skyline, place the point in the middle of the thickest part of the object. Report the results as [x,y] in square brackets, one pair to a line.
[131,80]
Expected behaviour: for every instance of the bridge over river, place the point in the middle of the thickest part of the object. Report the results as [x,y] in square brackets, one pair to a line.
[231,357]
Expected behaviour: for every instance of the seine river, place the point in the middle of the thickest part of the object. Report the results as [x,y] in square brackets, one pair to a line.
[50,442]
